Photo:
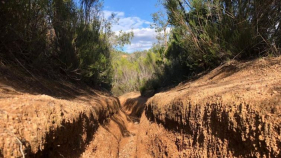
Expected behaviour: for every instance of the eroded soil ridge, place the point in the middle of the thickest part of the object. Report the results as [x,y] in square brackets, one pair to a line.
[233,111]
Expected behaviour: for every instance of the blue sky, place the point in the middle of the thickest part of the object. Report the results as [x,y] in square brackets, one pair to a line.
[132,8]
[134,15]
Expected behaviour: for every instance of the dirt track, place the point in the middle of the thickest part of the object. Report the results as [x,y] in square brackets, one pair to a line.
[118,137]
[233,111]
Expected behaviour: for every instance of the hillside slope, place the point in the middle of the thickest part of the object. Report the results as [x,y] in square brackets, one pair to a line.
[234,111]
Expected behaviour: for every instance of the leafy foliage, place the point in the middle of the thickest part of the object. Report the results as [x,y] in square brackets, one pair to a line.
[206,33]
[57,38]
[131,71]
[220,29]
[60,39]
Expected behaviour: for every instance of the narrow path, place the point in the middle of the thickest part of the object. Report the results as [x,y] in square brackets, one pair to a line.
[133,106]
[128,144]
[118,136]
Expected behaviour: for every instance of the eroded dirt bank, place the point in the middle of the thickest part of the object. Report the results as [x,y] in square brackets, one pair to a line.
[118,136]
[234,111]
[43,126]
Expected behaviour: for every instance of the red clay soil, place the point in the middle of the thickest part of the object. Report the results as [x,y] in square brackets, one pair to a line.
[118,137]
[43,126]
[233,111]
[36,125]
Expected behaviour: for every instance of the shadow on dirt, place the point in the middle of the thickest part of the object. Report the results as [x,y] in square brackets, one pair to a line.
[134,107]
[27,83]
[218,127]
[70,140]
[121,124]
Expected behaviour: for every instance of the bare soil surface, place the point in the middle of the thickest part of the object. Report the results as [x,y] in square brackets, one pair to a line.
[43,126]
[233,111]
[118,137]
[60,124]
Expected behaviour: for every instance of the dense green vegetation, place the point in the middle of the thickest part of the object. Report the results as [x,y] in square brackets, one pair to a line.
[131,71]
[207,33]
[58,39]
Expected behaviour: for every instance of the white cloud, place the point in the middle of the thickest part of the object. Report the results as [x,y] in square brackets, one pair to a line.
[129,23]
[144,36]
[143,39]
